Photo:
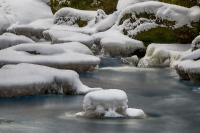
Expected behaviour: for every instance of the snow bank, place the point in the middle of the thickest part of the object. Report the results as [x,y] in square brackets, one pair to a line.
[163,55]
[30,10]
[115,44]
[9,39]
[108,103]
[188,67]
[72,17]
[28,79]
[124,3]
[66,57]
[60,36]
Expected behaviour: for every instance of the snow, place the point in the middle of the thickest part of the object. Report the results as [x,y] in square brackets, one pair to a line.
[68,16]
[66,57]
[108,103]
[28,79]
[60,36]
[163,55]
[124,3]
[115,44]
[22,12]
[181,16]
[9,39]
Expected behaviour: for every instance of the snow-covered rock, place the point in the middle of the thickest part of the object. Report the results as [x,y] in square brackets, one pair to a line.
[33,30]
[115,44]
[9,39]
[108,103]
[61,36]
[22,12]
[188,67]
[62,56]
[163,55]
[159,22]
[28,79]
[73,17]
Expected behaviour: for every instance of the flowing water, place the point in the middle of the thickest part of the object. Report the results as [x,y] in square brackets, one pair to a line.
[173,105]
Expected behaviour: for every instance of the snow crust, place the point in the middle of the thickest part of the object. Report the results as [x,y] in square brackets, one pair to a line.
[22,12]
[66,57]
[163,55]
[108,103]
[9,39]
[60,36]
[28,79]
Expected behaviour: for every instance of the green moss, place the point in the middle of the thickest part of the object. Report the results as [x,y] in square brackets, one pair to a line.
[185,3]
[81,23]
[125,17]
[109,6]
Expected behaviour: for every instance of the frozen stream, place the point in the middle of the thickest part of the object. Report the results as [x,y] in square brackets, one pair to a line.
[173,105]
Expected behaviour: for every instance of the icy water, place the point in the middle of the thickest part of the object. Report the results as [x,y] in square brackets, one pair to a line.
[173,105]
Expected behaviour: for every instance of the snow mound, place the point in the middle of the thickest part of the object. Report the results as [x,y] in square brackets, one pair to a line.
[28,79]
[60,36]
[188,67]
[9,39]
[196,43]
[114,43]
[163,55]
[108,103]
[66,57]
[73,17]
[30,10]
[33,30]
[124,3]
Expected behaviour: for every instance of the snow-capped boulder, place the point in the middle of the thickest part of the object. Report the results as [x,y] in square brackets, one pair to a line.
[22,12]
[61,36]
[159,22]
[115,44]
[188,67]
[58,56]
[73,17]
[9,39]
[33,30]
[108,103]
[163,55]
[28,79]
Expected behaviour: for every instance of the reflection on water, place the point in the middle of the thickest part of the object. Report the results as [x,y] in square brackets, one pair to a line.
[172,105]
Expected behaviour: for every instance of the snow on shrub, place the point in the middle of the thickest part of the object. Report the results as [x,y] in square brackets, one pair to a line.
[9,39]
[108,103]
[28,79]
[56,56]
[73,17]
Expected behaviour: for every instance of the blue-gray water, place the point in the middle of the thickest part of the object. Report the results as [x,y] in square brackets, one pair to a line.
[173,105]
